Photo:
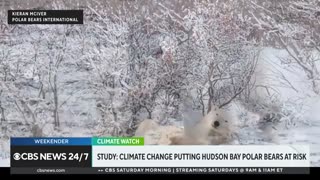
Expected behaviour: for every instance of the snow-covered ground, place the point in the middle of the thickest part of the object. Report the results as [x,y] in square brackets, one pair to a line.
[305,129]
[5,162]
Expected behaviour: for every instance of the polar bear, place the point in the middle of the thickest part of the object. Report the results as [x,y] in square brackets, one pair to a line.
[222,126]
[145,126]
[154,134]
[214,128]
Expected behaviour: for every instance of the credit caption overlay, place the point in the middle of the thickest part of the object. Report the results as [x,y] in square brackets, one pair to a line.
[45,16]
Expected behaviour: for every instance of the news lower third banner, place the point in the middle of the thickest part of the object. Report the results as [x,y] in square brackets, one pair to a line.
[45,16]
[129,155]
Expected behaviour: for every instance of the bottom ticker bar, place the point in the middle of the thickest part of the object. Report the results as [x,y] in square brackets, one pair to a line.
[164,170]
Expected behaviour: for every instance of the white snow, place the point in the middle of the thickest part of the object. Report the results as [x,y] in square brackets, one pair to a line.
[307,131]
[5,162]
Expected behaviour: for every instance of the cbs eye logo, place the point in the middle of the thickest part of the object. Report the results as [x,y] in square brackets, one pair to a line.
[16,156]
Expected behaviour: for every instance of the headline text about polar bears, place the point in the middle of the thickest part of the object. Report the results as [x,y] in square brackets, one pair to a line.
[202,156]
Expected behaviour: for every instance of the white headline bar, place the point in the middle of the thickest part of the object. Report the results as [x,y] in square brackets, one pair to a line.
[202,156]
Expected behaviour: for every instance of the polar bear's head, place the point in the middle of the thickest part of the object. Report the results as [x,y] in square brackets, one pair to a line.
[222,127]
[216,127]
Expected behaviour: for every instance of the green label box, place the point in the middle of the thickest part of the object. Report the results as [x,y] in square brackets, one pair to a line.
[118,141]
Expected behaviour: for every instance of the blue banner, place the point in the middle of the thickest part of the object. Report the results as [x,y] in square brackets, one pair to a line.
[50,141]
